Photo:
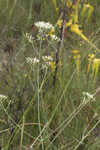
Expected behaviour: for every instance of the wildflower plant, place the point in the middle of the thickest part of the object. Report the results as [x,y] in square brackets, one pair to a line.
[70,23]
[93,65]
[43,29]
[41,87]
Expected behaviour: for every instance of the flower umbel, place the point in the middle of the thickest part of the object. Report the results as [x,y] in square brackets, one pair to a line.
[32,61]
[43,29]
[44,25]
[49,62]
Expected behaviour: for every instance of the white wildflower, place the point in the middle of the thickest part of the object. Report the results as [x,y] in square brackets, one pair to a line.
[43,29]
[35,60]
[54,37]
[3,96]
[29,37]
[44,25]
[47,58]
[88,97]
[32,60]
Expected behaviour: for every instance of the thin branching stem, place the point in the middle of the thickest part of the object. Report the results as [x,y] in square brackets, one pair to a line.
[60,44]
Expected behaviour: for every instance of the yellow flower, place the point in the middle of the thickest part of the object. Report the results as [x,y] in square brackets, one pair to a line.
[51,32]
[59,23]
[77,56]
[75,28]
[69,4]
[52,65]
[69,23]
[91,56]
[75,51]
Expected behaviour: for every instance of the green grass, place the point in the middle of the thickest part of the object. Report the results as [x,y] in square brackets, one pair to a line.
[37,113]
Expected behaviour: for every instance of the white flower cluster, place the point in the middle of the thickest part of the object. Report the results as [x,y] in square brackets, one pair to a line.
[32,61]
[44,25]
[43,32]
[43,29]
[29,37]
[47,61]
[3,97]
